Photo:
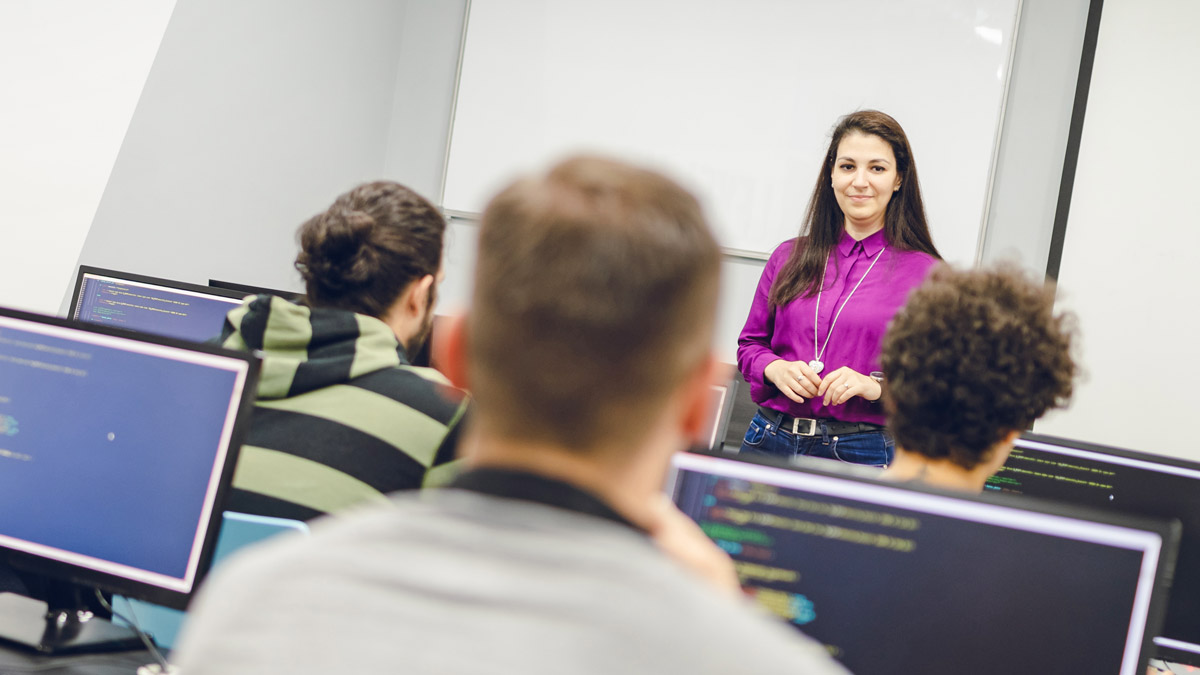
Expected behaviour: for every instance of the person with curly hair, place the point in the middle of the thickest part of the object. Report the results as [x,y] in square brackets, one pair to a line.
[973,359]
[810,345]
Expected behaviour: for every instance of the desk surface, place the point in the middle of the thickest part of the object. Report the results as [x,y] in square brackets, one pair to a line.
[13,661]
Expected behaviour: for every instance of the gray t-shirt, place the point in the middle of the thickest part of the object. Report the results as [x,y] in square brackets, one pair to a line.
[452,581]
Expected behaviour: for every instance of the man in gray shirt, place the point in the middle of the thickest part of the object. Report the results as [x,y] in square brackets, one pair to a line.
[588,353]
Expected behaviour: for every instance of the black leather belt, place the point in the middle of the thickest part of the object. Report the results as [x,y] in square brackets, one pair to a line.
[808,426]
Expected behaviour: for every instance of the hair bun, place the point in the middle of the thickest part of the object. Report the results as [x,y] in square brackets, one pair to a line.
[336,250]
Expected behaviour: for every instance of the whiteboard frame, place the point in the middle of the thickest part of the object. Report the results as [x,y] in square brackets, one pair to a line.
[984,219]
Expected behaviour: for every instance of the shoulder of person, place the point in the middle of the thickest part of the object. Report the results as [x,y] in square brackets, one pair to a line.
[745,638]
[785,247]
[784,250]
[919,260]
[426,373]
[414,385]
[711,632]
[928,261]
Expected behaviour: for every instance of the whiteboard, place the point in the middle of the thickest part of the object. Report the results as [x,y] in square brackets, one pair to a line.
[733,98]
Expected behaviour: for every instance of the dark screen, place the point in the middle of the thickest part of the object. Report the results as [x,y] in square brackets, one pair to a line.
[146,308]
[1127,483]
[920,590]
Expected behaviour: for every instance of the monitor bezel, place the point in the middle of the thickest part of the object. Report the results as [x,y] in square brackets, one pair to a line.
[85,270]
[1168,530]
[1167,653]
[57,570]
[248,289]
[1147,457]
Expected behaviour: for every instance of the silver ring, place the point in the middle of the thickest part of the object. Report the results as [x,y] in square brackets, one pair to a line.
[846,385]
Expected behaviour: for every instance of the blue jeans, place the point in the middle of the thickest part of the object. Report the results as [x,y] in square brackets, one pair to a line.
[765,438]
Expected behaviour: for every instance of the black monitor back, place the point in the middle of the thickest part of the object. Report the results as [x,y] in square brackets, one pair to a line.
[246,289]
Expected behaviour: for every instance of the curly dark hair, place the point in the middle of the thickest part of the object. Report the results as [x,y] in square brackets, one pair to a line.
[973,356]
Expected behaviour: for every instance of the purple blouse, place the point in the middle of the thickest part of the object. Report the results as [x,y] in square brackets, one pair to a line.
[857,338]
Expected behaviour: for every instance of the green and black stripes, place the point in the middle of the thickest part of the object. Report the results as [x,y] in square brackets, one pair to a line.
[341,418]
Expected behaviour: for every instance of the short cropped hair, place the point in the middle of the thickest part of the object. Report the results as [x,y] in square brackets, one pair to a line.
[594,297]
[368,246]
[973,356]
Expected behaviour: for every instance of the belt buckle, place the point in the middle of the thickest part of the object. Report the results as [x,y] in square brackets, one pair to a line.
[812,426]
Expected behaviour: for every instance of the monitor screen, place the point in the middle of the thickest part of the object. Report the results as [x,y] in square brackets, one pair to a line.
[898,580]
[150,305]
[1129,482]
[115,453]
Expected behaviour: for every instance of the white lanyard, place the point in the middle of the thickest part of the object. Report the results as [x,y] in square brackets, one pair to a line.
[816,363]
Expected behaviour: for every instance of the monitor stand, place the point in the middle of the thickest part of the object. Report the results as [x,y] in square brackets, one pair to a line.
[31,624]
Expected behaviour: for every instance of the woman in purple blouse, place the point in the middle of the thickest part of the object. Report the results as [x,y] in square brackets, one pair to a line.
[810,348]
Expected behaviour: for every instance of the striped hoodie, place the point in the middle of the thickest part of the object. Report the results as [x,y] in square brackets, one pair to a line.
[341,417]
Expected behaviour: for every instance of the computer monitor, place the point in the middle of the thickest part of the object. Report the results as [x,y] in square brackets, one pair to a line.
[894,579]
[742,410]
[116,451]
[1125,482]
[151,305]
[246,289]
[720,406]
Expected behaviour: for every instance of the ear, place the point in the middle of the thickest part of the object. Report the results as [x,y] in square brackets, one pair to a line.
[416,297]
[1009,439]
[1001,450]
[697,412]
[450,349]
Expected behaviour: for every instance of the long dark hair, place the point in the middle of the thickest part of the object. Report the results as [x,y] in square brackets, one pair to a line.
[904,222]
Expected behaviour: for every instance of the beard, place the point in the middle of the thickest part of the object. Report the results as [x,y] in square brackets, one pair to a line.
[415,343]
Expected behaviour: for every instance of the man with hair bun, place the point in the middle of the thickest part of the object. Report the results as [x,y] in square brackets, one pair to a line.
[588,353]
[971,361]
[342,418]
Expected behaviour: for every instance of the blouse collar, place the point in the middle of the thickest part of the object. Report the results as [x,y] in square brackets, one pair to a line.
[871,245]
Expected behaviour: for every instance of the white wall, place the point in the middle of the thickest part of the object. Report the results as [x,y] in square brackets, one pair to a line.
[71,72]
[254,117]
[1033,141]
[420,126]
[232,148]
[1129,261]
